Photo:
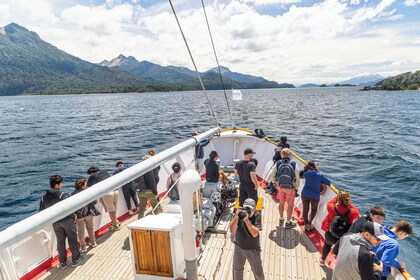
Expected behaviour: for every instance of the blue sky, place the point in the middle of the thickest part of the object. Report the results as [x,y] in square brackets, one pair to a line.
[283,40]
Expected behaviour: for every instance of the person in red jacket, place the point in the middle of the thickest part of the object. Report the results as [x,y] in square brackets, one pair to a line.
[342,203]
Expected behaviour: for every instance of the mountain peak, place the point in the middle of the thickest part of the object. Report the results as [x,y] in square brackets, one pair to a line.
[223,69]
[16,28]
[121,56]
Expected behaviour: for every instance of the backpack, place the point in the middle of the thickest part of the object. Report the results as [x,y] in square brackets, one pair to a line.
[286,174]
[173,194]
[339,224]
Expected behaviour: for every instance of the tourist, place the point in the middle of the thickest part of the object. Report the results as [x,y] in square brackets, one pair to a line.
[110,200]
[248,185]
[128,190]
[84,218]
[354,259]
[172,182]
[280,146]
[199,152]
[150,153]
[146,187]
[376,214]
[286,178]
[311,192]
[387,252]
[341,215]
[246,226]
[213,173]
[64,228]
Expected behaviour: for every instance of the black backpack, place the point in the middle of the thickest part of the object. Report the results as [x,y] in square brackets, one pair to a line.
[285,173]
[339,224]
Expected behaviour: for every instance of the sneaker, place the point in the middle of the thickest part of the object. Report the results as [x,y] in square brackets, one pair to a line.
[290,224]
[115,227]
[83,249]
[281,221]
[63,265]
[76,263]
[131,212]
[321,262]
[93,244]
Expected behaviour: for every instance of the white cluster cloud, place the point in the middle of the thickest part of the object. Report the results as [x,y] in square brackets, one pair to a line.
[412,2]
[321,42]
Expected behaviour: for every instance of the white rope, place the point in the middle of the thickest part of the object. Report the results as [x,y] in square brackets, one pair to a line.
[195,66]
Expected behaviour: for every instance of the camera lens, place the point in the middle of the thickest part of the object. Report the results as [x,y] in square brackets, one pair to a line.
[242,214]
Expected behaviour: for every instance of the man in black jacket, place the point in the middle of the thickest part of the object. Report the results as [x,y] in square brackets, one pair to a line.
[147,190]
[64,228]
[376,214]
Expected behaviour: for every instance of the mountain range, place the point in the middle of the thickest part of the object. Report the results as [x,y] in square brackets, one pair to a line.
[29,65]
[182,76]
[360,81]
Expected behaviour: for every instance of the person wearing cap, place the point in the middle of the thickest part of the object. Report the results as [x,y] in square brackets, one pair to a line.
[246,229]
[388,250]
[245,169]
[354,259]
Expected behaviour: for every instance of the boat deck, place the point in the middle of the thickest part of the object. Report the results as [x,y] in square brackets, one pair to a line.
[286,253]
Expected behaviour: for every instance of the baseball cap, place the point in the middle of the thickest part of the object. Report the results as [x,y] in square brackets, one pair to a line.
[248,151]
[375,229]
[250,203]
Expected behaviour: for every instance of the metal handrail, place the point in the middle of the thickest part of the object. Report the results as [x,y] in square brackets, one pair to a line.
[64,208]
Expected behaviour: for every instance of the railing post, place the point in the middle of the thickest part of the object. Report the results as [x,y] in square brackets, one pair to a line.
[189,183]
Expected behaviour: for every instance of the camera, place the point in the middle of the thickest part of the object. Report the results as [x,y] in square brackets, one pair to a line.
[242,213]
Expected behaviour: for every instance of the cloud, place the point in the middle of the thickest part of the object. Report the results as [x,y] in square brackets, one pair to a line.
[27,12]
[411,2]
[320,42]
[270,2]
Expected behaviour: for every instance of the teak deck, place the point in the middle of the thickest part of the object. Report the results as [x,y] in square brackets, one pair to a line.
[286,253]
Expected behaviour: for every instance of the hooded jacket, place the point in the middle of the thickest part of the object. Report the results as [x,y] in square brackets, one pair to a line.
[84,211]
[354,260]
[52,197]
[388,251]
[313,180]
[146,182]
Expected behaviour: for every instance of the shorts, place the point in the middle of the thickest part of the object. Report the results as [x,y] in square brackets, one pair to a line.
[110,201]
[286,195]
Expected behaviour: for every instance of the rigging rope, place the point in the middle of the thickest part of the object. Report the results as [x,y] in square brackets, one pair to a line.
[218,65]
[195,66]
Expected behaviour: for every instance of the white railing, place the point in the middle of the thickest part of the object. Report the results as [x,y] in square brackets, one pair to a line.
[38,221]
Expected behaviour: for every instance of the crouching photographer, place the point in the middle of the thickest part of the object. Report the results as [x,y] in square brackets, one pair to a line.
[246,226]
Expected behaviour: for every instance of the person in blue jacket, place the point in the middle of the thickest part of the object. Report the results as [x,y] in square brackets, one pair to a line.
[311,192]
[388,250]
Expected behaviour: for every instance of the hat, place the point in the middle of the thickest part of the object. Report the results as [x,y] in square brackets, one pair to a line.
[375,229]
[248,151]
[250,203]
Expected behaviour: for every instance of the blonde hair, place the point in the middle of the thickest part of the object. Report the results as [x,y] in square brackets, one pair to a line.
[285,152]
[344,198]
[151,152]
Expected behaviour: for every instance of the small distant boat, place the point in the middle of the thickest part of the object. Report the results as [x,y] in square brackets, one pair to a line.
[236,94]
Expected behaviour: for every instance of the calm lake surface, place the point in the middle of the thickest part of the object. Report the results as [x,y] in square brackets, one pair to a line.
[367,142]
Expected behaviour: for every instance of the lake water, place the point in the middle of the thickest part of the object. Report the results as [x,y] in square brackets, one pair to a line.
[366,142]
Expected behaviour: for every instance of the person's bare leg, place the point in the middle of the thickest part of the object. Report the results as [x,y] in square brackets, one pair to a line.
[113,216]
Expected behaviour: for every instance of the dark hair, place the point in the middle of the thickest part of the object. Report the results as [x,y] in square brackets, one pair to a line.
[118,163]
[55,180]
[213,155]
[404,227]
[283,139]
[92,169]
[376,210]
[175,166]
[80,183]
[311,165]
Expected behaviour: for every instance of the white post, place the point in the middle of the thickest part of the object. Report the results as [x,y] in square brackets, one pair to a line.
[189,183]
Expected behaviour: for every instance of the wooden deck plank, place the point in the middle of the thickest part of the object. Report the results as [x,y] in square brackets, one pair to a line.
[287,254]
